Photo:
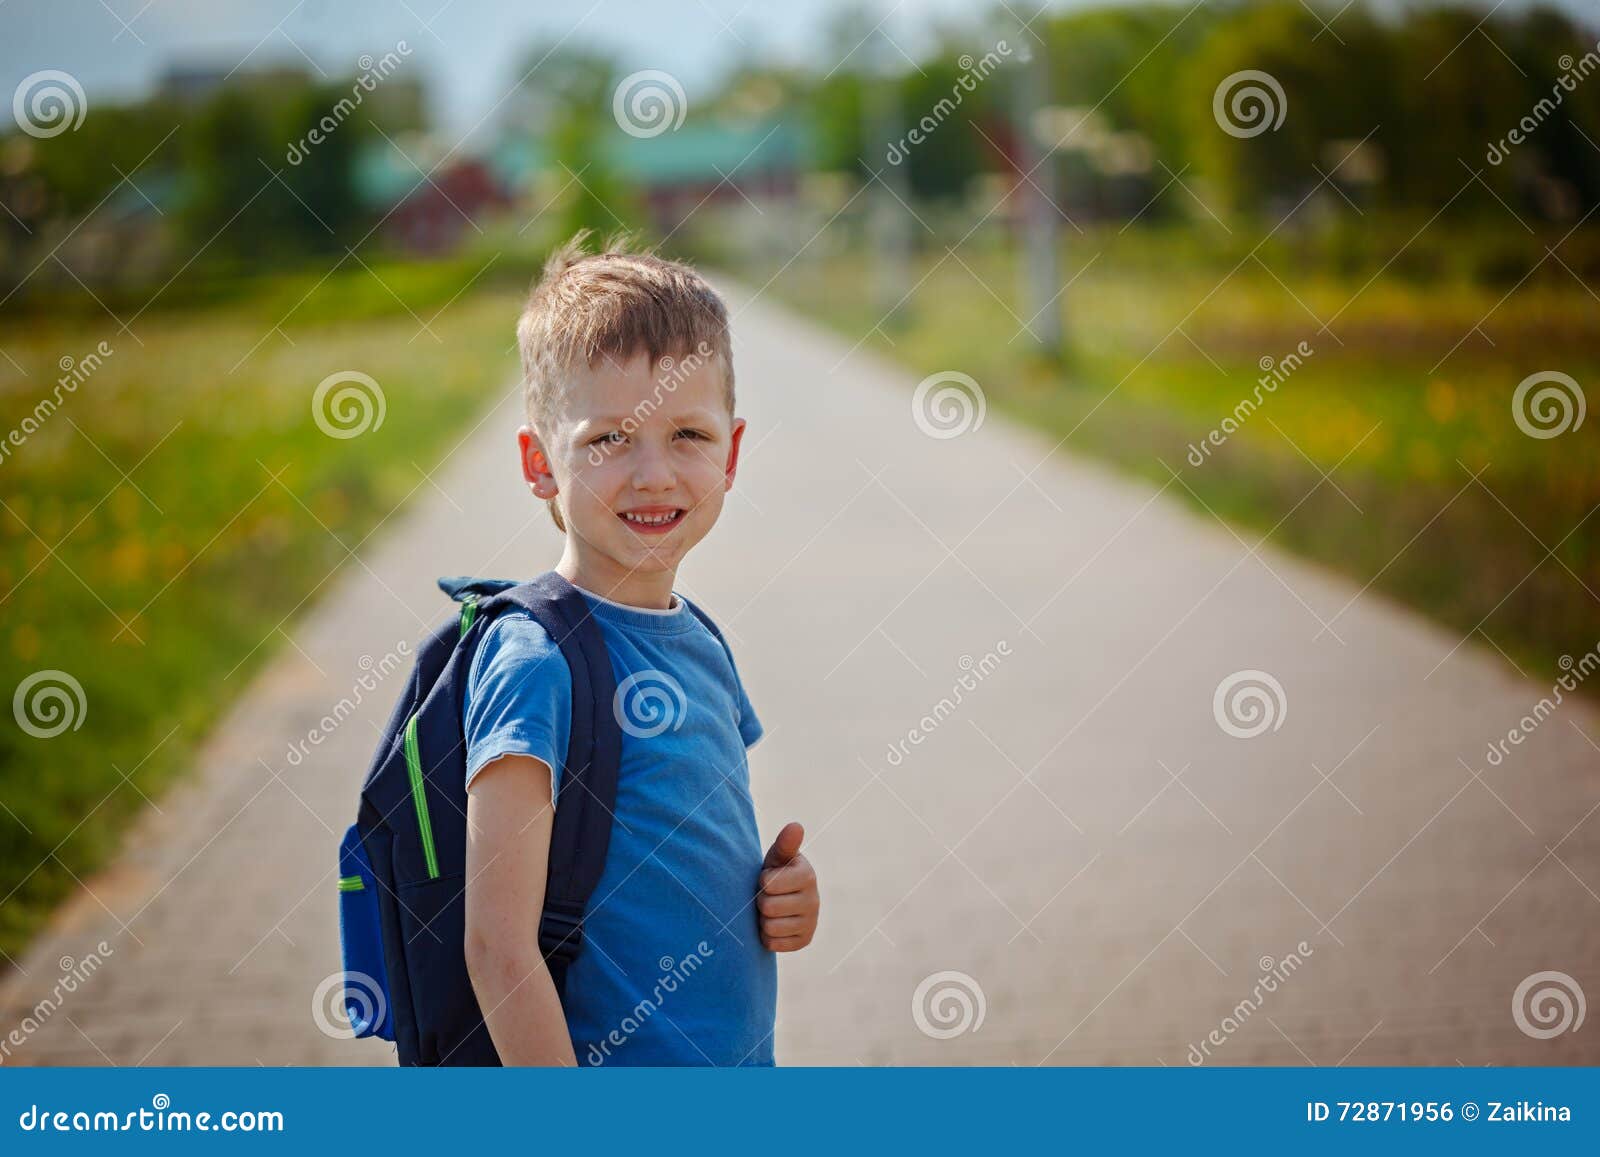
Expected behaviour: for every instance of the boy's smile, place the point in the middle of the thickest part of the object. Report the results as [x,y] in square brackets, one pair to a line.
[640,461]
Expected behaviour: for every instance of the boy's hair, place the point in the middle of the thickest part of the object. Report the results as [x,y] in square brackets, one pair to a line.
[616,304]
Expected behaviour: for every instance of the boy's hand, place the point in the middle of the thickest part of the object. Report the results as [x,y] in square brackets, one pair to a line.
[788,901]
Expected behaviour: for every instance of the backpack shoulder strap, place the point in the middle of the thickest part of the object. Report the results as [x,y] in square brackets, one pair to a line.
[587,797]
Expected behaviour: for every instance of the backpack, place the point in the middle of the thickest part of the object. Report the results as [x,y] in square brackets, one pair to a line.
[402,883]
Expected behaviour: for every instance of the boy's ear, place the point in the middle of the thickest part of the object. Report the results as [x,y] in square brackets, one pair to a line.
[733,453]
[535,463]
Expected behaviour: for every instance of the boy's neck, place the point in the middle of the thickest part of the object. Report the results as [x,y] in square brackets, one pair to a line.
[651,590]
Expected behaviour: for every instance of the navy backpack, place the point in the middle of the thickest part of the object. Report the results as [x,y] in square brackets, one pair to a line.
[402,881]
[402,864]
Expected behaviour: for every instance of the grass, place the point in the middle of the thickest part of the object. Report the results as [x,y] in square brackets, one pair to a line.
[1436,496]
[181,502]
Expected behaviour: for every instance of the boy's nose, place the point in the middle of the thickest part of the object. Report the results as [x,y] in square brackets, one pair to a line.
[653,471]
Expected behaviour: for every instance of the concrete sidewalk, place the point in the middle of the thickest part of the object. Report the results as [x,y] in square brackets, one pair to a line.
[988,674]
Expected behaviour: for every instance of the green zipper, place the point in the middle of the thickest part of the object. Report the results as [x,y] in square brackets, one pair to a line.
[419,797]
[351,884]
[469,610]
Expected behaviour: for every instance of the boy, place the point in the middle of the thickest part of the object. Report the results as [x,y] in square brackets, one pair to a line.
[632,441]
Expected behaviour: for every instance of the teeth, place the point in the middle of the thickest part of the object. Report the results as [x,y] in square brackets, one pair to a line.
[650,519]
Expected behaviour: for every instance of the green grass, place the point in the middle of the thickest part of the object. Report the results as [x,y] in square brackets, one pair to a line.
[160,593]
[1163,341]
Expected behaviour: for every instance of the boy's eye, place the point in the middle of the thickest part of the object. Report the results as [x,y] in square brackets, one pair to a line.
[688,433]
[612,438]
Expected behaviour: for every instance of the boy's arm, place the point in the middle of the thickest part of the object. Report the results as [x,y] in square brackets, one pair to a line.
[509,820]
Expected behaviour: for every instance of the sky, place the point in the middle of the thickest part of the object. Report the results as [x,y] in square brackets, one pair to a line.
[468,51]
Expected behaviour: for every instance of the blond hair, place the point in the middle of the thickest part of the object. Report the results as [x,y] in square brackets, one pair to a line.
[617,303]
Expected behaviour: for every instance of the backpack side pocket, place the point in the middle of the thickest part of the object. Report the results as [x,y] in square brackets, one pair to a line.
[366,985]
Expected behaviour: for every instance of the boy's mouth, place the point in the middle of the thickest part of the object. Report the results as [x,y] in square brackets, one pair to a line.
[653,519]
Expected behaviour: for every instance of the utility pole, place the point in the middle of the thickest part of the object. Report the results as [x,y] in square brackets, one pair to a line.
[888,220]
[1041,231]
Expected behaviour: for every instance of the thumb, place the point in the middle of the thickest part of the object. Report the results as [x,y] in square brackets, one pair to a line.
[786,847]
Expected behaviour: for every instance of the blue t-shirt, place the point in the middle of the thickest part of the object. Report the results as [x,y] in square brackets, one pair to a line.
[672,970]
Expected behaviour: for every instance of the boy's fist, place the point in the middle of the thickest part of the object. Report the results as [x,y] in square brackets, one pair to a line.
[788,901]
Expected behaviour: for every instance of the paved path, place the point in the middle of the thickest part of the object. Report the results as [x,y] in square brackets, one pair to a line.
[1078,838]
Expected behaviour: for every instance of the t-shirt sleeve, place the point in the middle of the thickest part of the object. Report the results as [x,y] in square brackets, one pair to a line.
[750,729]
[518,699]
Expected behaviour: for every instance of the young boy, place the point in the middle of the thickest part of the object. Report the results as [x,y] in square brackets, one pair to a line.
[632,440]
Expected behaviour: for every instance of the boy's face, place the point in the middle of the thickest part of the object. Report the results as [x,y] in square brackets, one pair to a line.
[640,458]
